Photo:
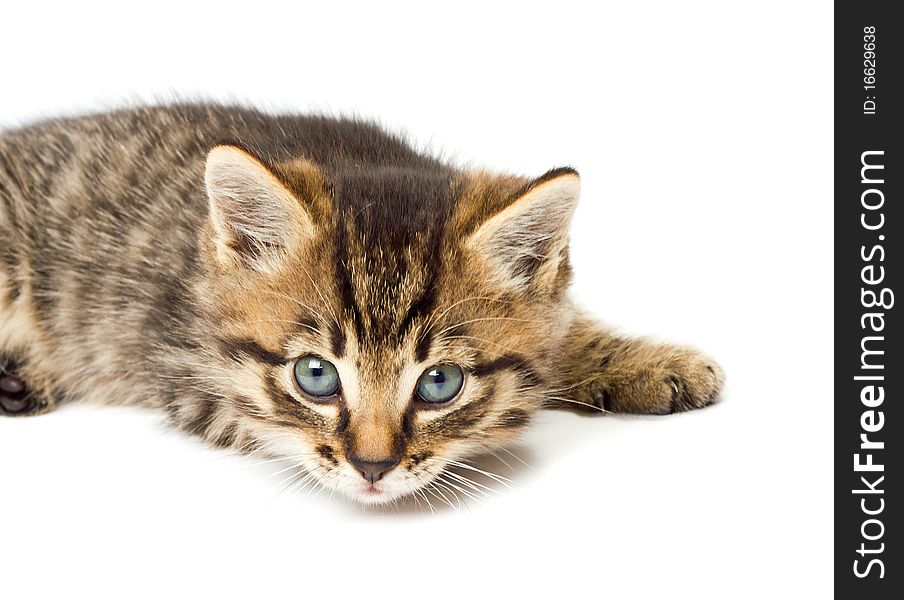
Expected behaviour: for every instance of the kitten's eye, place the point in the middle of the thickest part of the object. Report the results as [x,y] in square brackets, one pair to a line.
[316,376]
[440,383]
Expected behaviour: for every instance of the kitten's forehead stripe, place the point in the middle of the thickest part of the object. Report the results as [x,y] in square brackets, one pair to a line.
[250,348]
[423,345]
[421,305]
[307,321]
[337,340]
[389,237]
[344,283]
[509,362]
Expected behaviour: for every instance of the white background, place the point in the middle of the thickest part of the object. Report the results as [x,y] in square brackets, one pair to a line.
[704,136]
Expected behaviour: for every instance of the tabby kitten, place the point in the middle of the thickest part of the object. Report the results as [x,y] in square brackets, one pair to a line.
[303,287]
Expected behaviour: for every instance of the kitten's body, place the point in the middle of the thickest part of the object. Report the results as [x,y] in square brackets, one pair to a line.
[99,220]
[120,281]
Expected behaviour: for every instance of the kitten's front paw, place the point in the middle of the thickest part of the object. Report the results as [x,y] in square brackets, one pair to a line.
[694,383]
[655,379]
[16,399]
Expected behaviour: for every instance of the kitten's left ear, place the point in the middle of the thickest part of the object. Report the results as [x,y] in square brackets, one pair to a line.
[256,220]
[526,242]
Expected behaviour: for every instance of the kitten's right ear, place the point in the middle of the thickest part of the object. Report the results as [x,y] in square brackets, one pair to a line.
[256,220]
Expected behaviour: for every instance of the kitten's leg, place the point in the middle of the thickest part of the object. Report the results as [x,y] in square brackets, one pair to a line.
[20,394]
[625,375]
[23,391]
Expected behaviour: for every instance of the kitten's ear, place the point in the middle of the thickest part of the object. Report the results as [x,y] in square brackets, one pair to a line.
[256,221]
[526,242]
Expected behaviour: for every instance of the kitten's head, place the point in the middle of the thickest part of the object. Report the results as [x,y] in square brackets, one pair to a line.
[377,325]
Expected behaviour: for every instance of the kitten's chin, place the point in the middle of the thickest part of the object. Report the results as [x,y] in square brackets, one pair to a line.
[375,494]
[372,494]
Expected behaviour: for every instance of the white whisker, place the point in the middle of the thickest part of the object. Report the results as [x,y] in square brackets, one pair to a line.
[471,337]
[287,321]
[463,491]
[581,404]
[437,317]
[499,478]
[430,488]
[296,301]
[430,504]
[474,485]
[482,319]
[500,459]
[437,482]
[516,457]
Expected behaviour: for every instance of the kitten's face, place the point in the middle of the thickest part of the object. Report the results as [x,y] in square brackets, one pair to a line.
[375,328]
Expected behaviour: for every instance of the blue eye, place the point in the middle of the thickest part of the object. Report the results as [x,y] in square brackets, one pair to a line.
[440,383]
[316,376]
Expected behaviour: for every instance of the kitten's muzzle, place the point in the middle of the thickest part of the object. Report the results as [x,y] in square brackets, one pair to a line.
[372,470]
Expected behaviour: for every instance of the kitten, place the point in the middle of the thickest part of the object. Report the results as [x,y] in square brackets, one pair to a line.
[303,287]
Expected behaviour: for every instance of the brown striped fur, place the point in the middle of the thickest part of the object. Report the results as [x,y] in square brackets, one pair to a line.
[182,257]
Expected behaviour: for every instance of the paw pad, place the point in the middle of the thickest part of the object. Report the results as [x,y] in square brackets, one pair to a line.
[14,395]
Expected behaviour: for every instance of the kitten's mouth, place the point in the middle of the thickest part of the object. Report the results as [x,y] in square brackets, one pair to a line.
[372,490]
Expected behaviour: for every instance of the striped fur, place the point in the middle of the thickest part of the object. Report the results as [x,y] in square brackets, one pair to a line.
[182,257]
